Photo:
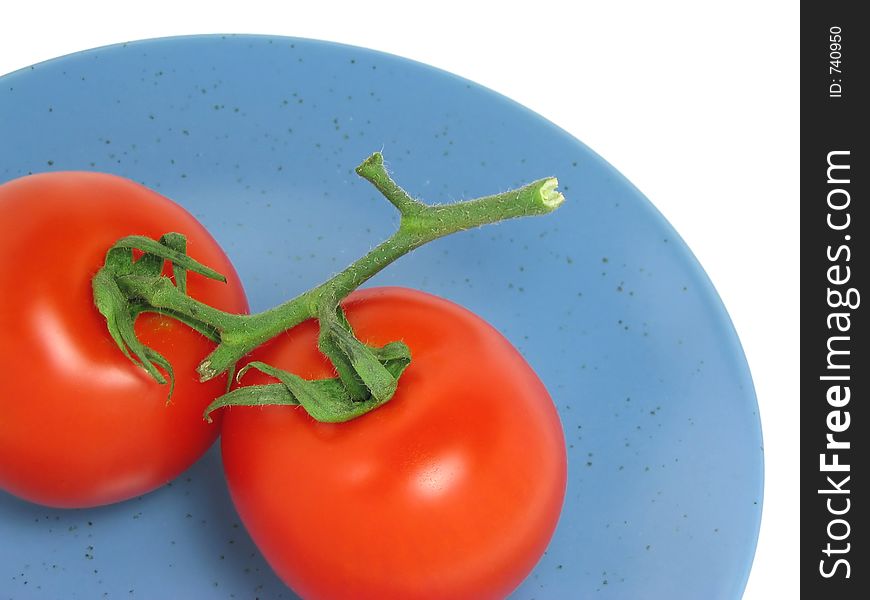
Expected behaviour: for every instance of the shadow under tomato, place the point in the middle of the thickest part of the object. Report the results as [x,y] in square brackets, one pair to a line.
[221,534]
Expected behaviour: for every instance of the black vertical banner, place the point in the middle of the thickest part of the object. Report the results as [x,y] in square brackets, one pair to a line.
[834,370]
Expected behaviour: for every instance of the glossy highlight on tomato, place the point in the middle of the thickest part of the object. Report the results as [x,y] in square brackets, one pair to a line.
[451,490]
[80,425]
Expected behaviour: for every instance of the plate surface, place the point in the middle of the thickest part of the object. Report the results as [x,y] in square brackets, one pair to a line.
[258,137]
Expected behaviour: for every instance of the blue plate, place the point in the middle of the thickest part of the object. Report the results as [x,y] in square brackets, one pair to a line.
[258,137]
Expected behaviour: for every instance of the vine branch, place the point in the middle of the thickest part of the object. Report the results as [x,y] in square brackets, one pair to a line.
[125,287]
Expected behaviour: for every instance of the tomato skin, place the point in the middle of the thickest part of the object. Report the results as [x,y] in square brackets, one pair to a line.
[79,424]
[451,490]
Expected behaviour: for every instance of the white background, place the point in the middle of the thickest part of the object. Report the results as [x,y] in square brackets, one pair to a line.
[696,103]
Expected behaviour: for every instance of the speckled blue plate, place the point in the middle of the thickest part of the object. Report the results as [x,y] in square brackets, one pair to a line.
[603,298]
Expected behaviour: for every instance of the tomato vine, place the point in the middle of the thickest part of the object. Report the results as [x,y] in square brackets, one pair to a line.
[367,376]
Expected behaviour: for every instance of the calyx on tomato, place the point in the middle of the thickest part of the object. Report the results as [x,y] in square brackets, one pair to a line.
[121,312]
[367,376]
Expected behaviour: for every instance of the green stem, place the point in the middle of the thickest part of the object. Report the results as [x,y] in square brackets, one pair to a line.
[125,287]
[419,224]
[161,294]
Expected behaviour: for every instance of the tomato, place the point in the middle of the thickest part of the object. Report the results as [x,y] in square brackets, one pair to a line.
[450,490]
[80,425]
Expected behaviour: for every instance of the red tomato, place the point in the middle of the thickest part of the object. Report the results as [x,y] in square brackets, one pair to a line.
[80,425]
[451,490]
